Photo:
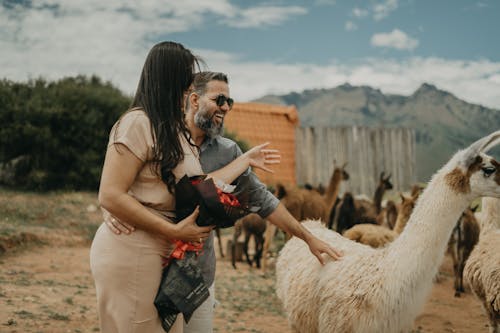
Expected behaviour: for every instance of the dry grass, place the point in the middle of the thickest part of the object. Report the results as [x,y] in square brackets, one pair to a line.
[55,218]
[247,301]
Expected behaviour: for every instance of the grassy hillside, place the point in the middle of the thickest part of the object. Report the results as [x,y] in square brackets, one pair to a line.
[55,218]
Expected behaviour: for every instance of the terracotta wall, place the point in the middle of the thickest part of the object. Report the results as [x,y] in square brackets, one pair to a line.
[258,123]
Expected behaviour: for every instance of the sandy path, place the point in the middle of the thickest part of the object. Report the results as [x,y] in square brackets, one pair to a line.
[51,290]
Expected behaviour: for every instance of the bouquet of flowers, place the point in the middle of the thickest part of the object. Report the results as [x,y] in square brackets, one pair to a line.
[182,288]
[218,205]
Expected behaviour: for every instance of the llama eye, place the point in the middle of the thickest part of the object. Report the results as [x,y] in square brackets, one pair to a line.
[488,170]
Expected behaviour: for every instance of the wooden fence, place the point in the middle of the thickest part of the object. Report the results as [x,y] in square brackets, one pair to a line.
[368,152]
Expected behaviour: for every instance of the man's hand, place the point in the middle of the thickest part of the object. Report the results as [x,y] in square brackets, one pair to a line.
[259,157]
[318,247]
[118,226]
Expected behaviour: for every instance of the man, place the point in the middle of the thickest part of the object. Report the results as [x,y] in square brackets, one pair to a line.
[206,106]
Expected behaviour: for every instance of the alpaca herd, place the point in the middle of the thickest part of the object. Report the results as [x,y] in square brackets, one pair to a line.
[377,235]
[383,290]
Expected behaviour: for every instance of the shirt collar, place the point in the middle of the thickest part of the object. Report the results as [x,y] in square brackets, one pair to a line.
[208,142]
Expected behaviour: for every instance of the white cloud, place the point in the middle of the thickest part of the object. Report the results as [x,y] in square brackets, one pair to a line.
[263,15]
[57,38]
[359,13]
[382,10]
[379,10]
[395,39]
[350,26]
[111,38]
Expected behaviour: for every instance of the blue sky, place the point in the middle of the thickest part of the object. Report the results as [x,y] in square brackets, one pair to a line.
[272,46]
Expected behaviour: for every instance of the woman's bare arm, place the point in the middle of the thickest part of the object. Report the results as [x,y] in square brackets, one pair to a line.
[258,157]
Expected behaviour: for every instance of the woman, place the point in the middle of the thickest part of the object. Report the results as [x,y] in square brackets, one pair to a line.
[148,151]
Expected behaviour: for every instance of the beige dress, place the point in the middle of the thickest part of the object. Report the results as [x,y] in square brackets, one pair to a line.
[127,268]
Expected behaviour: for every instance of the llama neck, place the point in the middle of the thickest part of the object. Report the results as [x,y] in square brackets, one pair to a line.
[400,224]
[333,189]
[377,199]
[420,248]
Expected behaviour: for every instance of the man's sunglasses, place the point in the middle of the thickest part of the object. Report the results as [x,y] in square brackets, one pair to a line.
[221,99]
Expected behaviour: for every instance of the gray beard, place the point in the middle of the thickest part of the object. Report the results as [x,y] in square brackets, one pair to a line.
[203,121]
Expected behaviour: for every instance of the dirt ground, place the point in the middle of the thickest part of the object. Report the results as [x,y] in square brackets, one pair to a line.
[50,289]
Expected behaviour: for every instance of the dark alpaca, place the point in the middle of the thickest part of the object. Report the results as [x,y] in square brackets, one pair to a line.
[251,224]
[391,214]
[217,232]
[384,184]
[346,213]
[371,210]
[364,211]
[464,237]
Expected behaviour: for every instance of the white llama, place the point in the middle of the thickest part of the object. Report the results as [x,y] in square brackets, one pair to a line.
[482,269]
[383,290]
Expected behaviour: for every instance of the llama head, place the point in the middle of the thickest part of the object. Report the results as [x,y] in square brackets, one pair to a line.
[384,182]
[473,172]
[407,206]
[280,191]
[339,171]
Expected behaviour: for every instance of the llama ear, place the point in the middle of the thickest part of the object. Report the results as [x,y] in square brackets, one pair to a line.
[415,195]
[382,175]
[481,145]
[474,209]
[493,140]
[280,191]
[344,165]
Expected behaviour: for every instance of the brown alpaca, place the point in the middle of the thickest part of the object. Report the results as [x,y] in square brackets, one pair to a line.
[464,237]
[292,198]
[405,210]
[332,191]
[312,206]
[251,225]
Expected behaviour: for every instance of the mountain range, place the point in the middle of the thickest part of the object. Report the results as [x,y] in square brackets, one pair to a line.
[443,123]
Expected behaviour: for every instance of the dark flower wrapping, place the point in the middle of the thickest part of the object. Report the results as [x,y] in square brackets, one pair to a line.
[182,288]
[217,208]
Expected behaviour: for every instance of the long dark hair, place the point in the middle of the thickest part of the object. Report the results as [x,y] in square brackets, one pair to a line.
[167,74]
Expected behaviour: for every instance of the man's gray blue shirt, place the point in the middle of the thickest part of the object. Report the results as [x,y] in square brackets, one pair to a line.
[216,153]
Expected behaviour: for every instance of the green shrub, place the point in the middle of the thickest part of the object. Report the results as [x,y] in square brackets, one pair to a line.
[54,134]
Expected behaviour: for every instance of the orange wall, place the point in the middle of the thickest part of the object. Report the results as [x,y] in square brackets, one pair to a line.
[258,123]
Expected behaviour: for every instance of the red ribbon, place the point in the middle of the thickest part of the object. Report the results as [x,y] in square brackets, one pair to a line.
[228,198]
[181,248]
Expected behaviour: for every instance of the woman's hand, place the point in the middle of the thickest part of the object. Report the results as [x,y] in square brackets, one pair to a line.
[188,231]
[259,157]
[318,247]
